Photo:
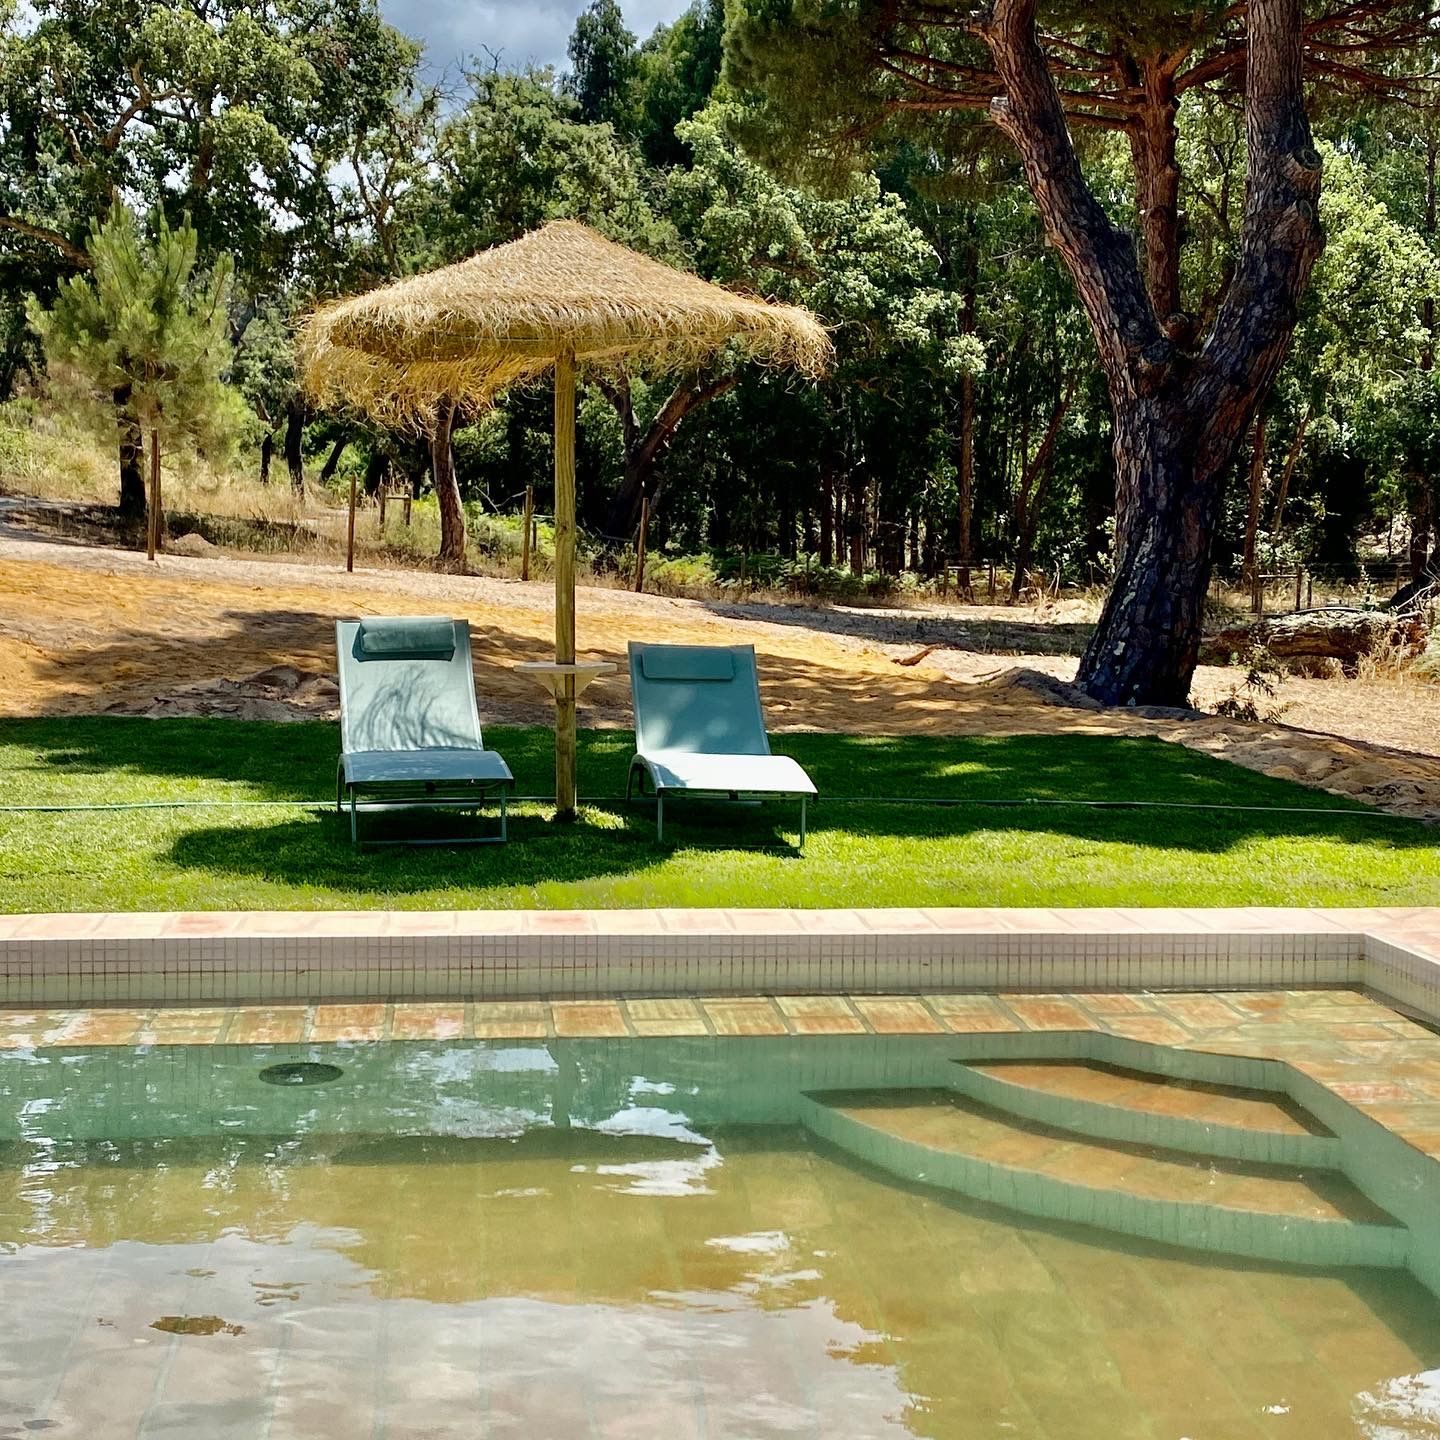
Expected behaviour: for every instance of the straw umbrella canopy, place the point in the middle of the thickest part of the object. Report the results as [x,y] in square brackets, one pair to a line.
[559,299]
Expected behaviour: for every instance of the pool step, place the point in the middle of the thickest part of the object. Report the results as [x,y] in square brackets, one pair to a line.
[1227,1206]
[1114,1102]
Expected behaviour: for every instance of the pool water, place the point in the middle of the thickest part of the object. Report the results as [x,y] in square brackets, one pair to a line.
[622,1239]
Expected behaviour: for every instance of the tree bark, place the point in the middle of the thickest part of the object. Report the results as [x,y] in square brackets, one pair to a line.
[643,452]
[132,449]
[1250,563]
[447,487]
[1031,490]
[1179,414]
[294,443]
[827,516]
[855,521]
[332,460]
[965,485]
[1287,473]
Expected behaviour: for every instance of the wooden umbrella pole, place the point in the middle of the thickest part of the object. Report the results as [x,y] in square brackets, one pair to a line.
[350,528]
[565,739]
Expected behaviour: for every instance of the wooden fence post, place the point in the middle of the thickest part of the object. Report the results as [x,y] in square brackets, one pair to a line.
[640,545]
[409,497]
[383,496]
[350,529]
[991,565]
[526,527]
[1299,586]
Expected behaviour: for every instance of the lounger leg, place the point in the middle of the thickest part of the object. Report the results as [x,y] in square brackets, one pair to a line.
[354,821]
[803,799]
[629,783]
[659,817]
[340,787]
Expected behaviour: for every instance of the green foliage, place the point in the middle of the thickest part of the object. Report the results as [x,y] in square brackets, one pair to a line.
[146,321]
[604,65]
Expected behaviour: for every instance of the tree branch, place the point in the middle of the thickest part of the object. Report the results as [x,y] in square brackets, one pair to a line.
[1099,256]
[73,253]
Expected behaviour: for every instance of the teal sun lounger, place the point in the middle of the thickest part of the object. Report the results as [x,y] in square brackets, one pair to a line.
[409,726]
[699,729]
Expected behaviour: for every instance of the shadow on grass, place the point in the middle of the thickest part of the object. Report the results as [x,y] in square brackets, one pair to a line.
[860,778]
[605,842]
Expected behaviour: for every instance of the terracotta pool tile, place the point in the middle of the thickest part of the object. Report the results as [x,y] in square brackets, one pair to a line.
[362,1022]
[420,922]
[897,1015]
[181,1035]
[510,1019]
[628,922]
[666,1017]
[1047,1012]
[695,922]
[202,923]
[830,922]
[1364,1031]
[419,1021]
[489,922]
[101,1027]
[129,925]
[1116,1003]
[588,1019]
[57,927]
[558,922]
[820,1015]
[744,1017]
[1151,1029]
[897,922]
[268,1025]
[1199,1012]
[1256,1002]
[973,1014]
[765,922]
[1362,1092]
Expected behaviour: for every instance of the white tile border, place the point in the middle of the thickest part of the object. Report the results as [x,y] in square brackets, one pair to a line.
[78,960]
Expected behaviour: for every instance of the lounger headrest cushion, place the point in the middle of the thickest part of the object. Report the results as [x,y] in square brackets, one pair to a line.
[687,662]
[417,637]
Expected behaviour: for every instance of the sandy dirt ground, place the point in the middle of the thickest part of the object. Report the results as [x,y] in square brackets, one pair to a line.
[86,631]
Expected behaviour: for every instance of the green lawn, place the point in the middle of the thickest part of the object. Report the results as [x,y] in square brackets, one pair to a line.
[863,850]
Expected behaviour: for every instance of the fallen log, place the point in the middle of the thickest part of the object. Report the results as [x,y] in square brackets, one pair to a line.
[1334,633]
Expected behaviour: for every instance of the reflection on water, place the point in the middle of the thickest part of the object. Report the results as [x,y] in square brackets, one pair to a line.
[635,1272]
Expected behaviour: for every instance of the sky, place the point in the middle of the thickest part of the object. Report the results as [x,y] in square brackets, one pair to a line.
[522,31]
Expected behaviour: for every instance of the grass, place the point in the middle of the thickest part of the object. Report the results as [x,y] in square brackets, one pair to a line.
[863,850]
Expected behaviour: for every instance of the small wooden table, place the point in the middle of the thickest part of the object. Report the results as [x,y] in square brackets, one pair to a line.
[552,674]
[565,680]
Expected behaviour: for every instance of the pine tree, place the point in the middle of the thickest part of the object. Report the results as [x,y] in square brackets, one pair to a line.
[144,328]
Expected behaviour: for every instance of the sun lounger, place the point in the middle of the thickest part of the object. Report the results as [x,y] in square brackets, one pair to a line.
[699,729]
[409,727]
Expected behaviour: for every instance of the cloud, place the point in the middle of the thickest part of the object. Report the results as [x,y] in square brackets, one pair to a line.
[522,32]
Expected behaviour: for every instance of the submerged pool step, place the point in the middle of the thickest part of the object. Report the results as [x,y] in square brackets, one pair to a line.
[1112,1102]
[1227,1206]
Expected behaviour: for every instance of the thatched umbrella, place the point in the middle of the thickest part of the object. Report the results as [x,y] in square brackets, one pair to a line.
[560,298]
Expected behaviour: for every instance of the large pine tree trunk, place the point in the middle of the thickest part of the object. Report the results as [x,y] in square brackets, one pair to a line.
[132,451]
[447,488]
[1181,403]
[1146,645]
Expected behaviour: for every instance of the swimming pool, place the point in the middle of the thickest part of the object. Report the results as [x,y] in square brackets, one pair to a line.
[698,1237]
